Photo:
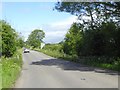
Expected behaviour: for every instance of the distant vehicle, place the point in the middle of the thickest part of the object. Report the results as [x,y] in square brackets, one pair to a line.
[26,51]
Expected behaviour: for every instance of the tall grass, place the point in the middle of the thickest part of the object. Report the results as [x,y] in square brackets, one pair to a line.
[11,68]
[0,75]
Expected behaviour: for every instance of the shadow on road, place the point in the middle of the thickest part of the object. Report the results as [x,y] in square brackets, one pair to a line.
[67,65]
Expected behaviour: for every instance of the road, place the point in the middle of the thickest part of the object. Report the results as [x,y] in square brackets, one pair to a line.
[42,71]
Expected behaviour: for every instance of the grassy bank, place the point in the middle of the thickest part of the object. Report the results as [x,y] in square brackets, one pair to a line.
[101,62]
[11,68]
[55,51]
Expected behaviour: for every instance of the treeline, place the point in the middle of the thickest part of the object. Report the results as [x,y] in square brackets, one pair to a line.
[10,39]
[35,38]
[102,41]
[98,31]
[11,44]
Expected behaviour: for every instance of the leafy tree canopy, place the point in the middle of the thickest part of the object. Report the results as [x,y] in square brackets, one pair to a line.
[97,11]
[35,38]
[8,39]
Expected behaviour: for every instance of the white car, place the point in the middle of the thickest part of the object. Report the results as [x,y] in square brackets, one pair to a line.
[26,51]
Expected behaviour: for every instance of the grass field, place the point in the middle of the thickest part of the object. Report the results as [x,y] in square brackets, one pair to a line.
[11,68]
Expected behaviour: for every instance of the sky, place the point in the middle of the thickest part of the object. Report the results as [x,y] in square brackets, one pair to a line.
[25,17]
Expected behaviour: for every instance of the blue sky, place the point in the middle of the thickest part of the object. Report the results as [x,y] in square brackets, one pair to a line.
[27,16]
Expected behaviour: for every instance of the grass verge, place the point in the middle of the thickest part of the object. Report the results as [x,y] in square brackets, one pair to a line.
[57,54]
[101,62]
[91,61]
[11,68]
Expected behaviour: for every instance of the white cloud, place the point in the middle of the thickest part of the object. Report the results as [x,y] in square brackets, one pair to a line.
[55,32]
[27,30]
[26,35]
[65,22]
[54,36]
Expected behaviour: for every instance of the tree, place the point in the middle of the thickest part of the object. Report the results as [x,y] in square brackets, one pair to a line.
[35,38]
[8,39]
[96,11]
[79,9]
[20,40]
[100,36]
[72,40]
[0,38]
[103,41]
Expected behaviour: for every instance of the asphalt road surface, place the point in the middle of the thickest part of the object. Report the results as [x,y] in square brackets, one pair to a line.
[42,71]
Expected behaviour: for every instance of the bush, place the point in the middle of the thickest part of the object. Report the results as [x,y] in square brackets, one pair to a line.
[53,47]
[8,39]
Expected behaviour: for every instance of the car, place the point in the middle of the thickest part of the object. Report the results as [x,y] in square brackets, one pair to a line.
[26,51]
